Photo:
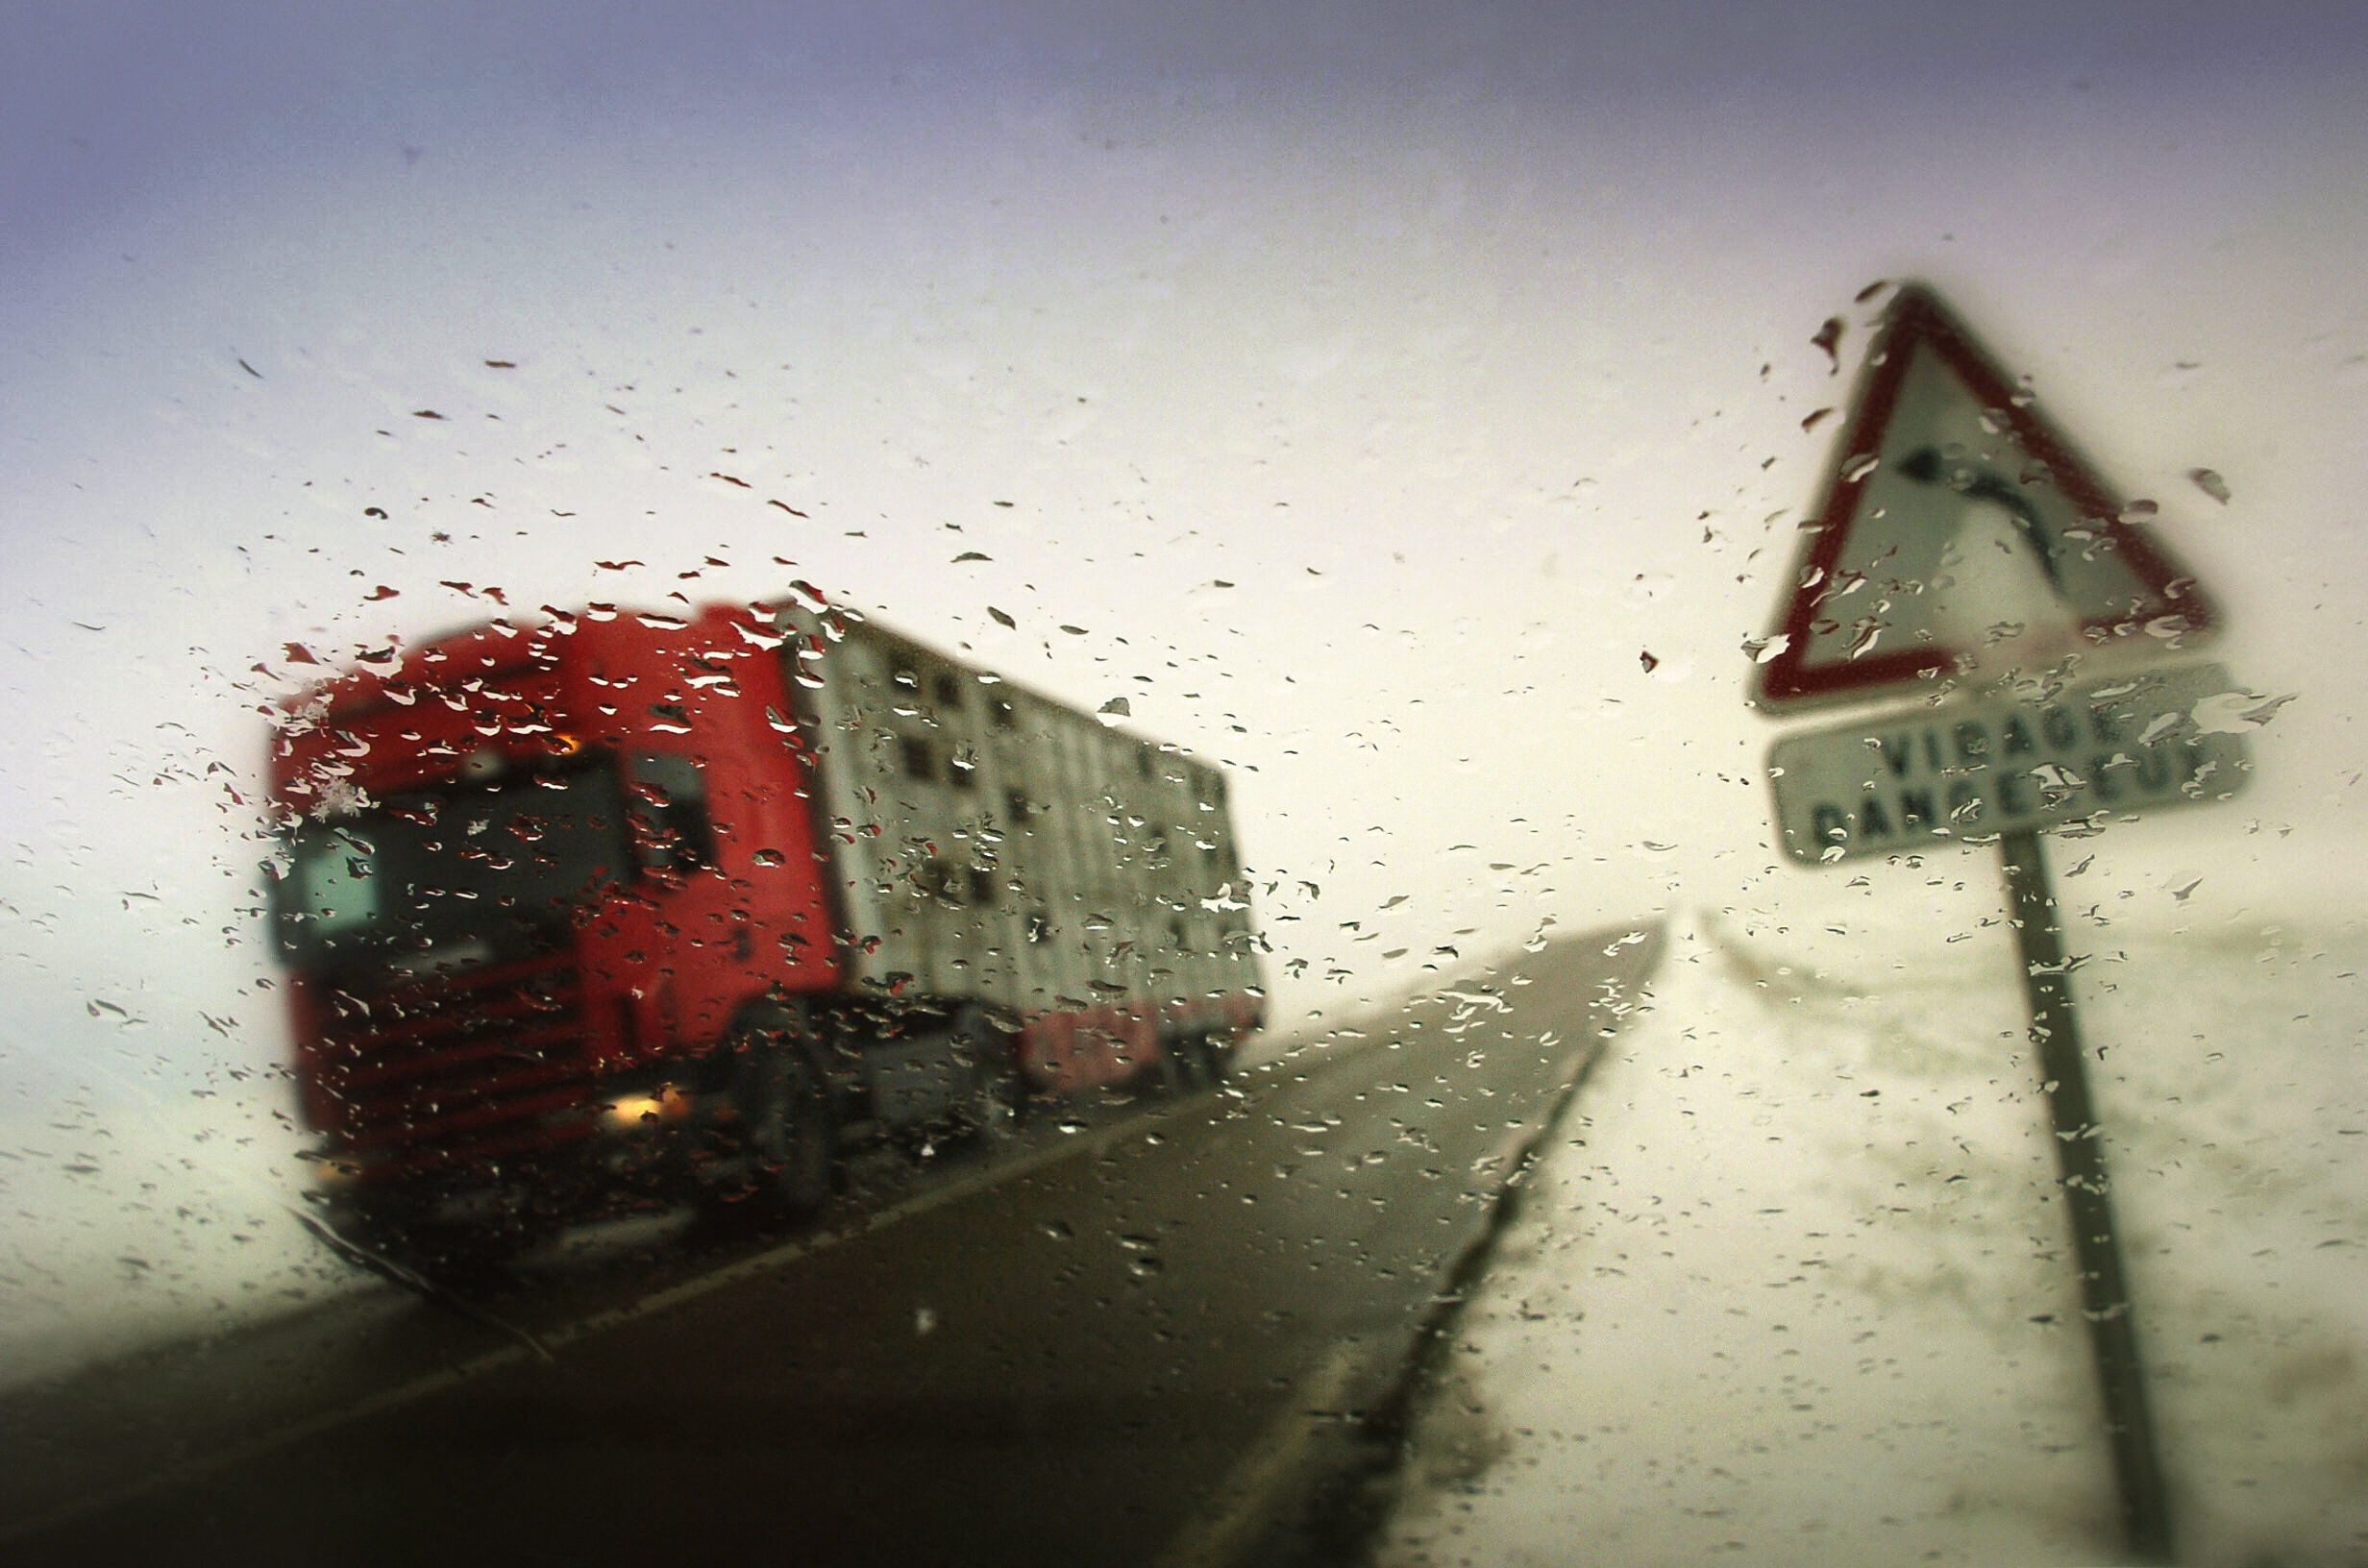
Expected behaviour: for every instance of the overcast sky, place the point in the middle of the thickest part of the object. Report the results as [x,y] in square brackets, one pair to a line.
[1375,385]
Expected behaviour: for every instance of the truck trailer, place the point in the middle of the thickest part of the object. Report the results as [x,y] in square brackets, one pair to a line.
[633,905]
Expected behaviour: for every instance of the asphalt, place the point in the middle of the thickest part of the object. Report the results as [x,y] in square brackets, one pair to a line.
[1169,1331]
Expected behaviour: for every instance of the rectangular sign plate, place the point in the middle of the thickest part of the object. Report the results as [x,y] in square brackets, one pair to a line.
[1965,773]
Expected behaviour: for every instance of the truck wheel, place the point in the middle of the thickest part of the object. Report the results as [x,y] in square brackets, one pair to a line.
[1217,1052]
[1195,1061]
[997,1098]
[1177,1073]
[788,1130]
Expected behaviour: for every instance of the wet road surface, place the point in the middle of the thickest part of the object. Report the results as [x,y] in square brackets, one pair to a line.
[1142,1339]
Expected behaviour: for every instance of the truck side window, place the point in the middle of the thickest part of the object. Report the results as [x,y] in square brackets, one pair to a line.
[667,807]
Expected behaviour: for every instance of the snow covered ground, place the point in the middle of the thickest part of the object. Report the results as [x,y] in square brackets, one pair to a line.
[1792,1286]
[166,1223]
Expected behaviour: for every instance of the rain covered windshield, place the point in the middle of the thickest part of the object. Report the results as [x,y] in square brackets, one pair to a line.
[1464,959]
[462,864]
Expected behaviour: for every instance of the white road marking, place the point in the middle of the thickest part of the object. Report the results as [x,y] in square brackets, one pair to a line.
[1251,1494]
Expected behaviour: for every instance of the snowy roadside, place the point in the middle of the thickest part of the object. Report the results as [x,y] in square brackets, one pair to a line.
[150,1227]
[1792,1286]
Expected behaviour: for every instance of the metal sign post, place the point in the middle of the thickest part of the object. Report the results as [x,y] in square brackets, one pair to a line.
[2080,1162]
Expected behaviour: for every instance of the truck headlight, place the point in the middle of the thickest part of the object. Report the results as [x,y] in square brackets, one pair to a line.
[626,1112]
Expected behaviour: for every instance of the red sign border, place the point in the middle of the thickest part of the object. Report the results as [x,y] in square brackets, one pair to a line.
[1917,317]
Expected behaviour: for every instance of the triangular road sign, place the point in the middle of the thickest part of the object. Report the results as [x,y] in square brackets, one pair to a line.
[1956,520]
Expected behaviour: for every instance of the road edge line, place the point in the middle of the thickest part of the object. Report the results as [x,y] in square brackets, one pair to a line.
[1247,1514]
[1244,1504]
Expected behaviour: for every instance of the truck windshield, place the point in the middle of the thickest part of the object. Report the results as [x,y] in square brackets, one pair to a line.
[463,863]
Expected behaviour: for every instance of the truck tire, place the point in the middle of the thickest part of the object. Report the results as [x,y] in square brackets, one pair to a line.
[1195,1064]
[997,1097]
[788,1130]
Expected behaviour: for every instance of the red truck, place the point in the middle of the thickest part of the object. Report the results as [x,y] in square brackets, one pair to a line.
[623,902]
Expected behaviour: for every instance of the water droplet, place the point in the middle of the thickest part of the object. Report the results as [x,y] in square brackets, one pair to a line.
[1828,339]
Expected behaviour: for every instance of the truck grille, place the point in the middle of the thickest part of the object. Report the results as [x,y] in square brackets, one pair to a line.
[457,1070]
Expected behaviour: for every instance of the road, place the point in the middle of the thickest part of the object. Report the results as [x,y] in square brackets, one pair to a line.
[1141,1336]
